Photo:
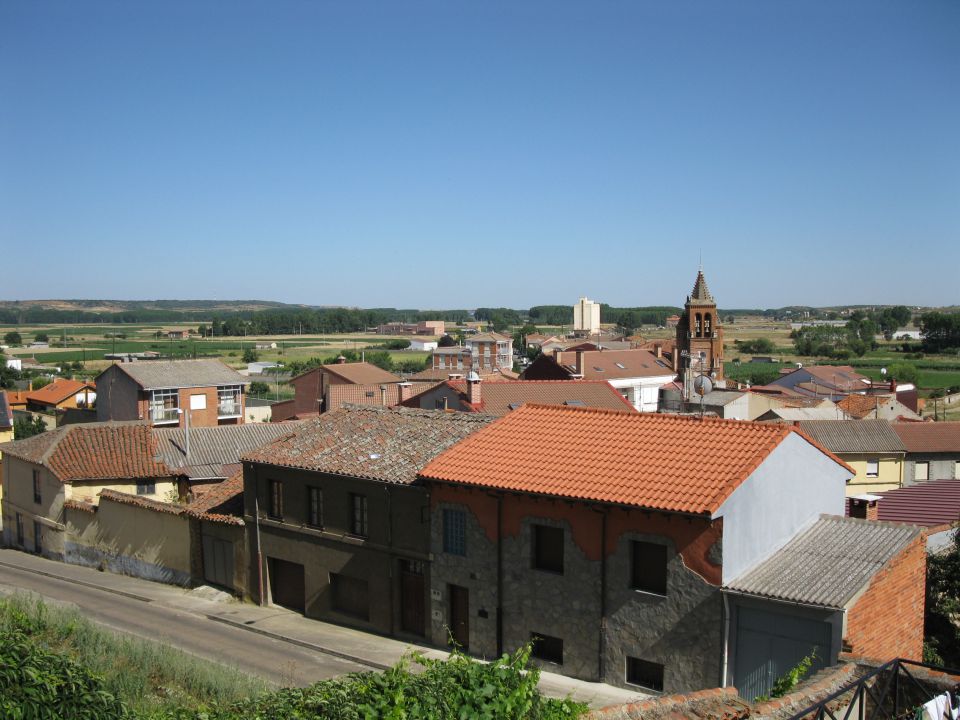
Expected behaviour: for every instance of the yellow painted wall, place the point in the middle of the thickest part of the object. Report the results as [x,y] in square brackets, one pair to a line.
[18,498]
[89,490]
[135,540]
[889,477]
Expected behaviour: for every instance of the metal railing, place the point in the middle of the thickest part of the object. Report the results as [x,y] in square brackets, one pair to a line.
[889,692]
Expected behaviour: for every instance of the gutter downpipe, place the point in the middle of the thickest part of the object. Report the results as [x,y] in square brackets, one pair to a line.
[256,523]
[603,596]
[499,574]
[726,639]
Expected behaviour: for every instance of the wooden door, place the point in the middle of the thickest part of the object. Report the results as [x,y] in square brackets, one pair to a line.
[412,603]
[459,618]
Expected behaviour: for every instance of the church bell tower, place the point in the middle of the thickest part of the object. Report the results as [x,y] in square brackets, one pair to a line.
[699,335]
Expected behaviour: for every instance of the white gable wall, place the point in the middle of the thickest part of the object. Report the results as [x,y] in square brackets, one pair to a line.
[791,488]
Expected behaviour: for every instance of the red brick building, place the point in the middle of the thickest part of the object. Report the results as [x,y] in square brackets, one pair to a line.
[172,393]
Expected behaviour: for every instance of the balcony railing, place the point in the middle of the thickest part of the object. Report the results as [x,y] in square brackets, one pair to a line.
[164,415]
[230,408]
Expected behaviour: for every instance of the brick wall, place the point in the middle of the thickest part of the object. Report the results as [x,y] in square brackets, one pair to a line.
[887,620]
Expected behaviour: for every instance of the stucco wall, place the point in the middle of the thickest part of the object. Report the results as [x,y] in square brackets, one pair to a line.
[889,476]
[398,529]
[788,491]
[117,396]
[131,540]
[18,498]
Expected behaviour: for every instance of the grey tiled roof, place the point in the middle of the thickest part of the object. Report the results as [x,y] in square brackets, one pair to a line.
[213,447]
[387,444]
[829,563]
[854,436]
[155,374]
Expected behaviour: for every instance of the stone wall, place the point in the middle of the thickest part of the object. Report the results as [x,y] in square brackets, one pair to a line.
[681,630]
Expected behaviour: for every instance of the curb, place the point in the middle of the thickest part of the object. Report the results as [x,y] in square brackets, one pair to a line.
[124,593]
[302,643]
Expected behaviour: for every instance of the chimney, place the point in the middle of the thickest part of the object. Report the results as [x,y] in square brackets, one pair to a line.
[473,389]
[580,362]
[406,391]
[865,507]
[658,350]
[341,360]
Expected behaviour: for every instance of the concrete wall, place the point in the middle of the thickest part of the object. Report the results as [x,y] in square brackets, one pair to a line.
[117,396]
[940,466]
[788,491]
[681,630]
[130,540]
[889,477]
[886,620]
[398,530]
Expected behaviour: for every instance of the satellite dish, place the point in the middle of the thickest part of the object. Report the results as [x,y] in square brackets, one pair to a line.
[883,371]
[703,385]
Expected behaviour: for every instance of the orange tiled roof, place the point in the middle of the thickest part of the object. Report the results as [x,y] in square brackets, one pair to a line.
[16,397]
[860,406]
[58,391]
[93,451]
[222,502]
[663,462]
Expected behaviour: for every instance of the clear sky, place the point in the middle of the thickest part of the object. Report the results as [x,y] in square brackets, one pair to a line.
[462,154]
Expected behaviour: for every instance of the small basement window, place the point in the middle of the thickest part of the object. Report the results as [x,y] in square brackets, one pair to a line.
[547,648]
[644,674]
[547,548]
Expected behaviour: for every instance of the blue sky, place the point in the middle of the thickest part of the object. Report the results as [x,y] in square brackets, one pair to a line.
[463,154]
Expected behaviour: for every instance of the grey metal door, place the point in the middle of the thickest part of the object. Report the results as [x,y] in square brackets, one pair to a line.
[770,643]
[218,562]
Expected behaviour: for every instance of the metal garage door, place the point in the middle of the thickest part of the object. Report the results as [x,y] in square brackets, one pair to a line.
[218,562]
[770,643]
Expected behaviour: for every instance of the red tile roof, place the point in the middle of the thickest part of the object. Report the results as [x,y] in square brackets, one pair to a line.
[663,462]
[221,503]
[929,437]
[142,502]
[16,398]
[361,373]
[499,398]
[58,391]
[93,451]
[612,364]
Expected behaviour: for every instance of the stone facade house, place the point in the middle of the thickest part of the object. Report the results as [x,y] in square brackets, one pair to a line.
[626,546]
[167,393]
[337,525]
[932,451]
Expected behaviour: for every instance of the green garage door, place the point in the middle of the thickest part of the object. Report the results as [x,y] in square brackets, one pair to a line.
[770,643]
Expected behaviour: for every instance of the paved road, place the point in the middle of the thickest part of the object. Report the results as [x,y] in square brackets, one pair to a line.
[277,661]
